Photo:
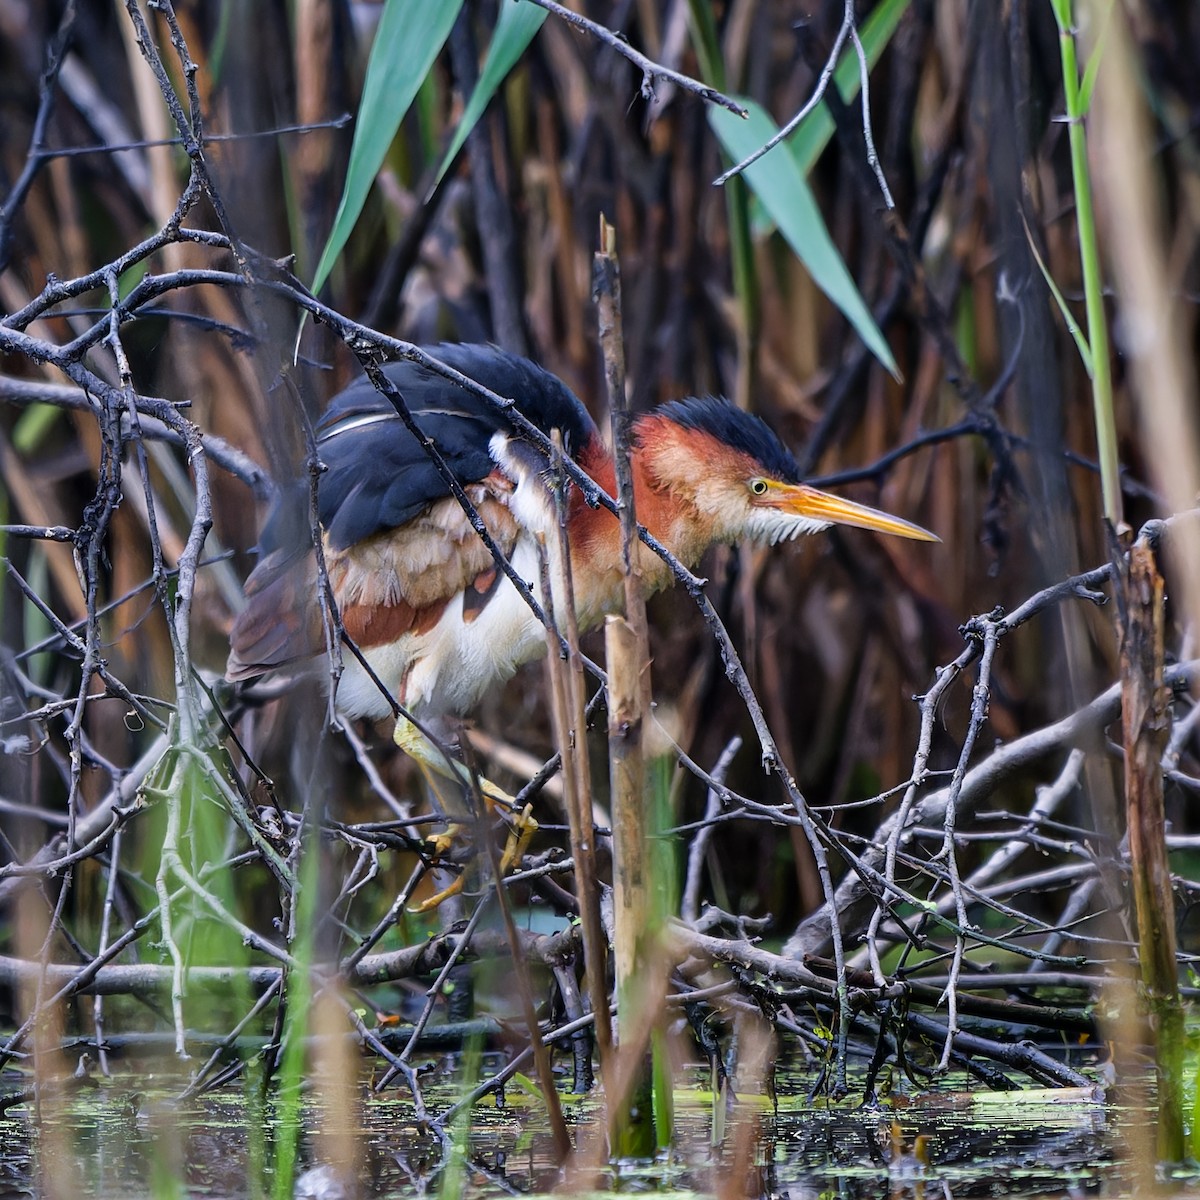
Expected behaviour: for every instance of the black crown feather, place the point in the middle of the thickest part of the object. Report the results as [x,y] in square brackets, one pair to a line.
[733,427]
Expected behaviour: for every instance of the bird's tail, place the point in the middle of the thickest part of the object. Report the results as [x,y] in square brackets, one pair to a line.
[281,623]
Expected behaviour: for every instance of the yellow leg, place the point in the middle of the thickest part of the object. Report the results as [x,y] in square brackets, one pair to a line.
[416,745]
[521,822]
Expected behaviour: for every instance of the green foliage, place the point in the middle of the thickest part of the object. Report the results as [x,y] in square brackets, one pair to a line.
[663,855]
[1077,334]
[36,625]
[33,426]
[779,183]
[778,178]
[406,36]
[1092,68]
[516,27]
[664,901]
[190,837]
[1078,98]
[454,1174]
[810,139]
[411,34]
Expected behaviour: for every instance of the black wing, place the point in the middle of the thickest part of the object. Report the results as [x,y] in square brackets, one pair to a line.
[378,475]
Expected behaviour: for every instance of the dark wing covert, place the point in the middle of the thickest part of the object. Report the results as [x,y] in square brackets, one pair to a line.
[379,477]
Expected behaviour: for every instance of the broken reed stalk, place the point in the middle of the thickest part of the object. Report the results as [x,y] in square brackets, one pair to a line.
[1145,724]
[627,650]
[570,728]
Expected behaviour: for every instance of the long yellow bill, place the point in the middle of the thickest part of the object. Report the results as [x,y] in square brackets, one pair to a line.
[803,501]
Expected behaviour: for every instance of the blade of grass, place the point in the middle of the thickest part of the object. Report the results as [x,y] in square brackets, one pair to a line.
[34,425]
[1093,283]
[453,1183]
[515,28]
[1085,351]
[411,34]
[780,184]
[664,906]
[1092,68]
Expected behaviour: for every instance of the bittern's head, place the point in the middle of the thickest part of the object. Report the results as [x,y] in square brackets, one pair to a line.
[728,473]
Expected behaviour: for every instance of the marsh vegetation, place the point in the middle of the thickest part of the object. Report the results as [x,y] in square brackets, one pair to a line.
[917,821]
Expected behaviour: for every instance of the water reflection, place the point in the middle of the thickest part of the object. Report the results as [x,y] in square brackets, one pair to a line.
[123,1141]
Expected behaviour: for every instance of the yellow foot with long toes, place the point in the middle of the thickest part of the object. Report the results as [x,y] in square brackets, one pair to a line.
[520,832]
[522,825]
[441,844]
[521,829]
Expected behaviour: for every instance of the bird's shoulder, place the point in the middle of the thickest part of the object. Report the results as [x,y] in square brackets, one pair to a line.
[378,475]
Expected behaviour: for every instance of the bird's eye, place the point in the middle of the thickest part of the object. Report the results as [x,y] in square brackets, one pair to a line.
[758,487]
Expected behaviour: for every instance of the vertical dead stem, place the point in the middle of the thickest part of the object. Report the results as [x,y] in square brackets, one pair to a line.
[628,656]
[1145,725]
[757,1052]
[570,727]
[626,716]
[49,1066]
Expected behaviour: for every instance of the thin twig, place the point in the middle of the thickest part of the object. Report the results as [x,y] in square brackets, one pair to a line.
[818,94]
[650,70]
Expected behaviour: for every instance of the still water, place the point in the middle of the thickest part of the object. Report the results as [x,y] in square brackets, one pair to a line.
[112,1140]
